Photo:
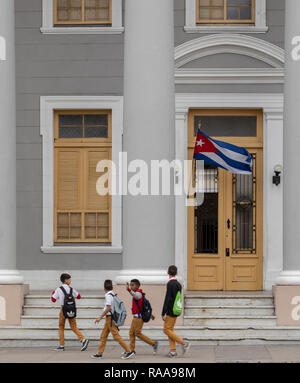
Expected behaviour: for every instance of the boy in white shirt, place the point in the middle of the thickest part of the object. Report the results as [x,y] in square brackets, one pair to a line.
[109,326]
[58,294]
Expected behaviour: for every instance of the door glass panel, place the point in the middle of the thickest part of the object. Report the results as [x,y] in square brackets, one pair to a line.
[206,215]
[244,212]
[226,126]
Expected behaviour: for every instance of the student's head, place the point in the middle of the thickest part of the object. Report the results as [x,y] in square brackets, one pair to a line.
[135,284]
[65,279]
[172,271]
[108,285]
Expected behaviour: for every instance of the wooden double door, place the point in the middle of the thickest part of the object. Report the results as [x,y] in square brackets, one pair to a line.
[225,227]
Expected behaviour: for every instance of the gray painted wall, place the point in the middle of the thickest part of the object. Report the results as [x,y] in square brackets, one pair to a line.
[80,65]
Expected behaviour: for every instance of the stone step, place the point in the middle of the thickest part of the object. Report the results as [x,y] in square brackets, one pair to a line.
[230,321]
[228,300]
[229,310]
[84,311]
[39,300]
[194,333]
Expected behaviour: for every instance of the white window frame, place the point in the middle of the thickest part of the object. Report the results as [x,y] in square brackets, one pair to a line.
[48,105]
[259,27]
[49,28]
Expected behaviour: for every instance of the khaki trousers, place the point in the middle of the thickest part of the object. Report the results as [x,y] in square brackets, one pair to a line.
[110,327]
[73,325]
[169,331]
[136,332]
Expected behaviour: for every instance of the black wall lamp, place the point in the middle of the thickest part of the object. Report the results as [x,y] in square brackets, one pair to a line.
[277,171]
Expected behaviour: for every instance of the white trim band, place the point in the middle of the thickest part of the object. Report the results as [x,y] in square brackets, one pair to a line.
[151,277]
[10,277]
[82,250]
[288,278]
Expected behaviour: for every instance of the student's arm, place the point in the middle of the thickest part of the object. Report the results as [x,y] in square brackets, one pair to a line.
[54,296]
[107,310]
[167,300]
[136,295]
[76,294]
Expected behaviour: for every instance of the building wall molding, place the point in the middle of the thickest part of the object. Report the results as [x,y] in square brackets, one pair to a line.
[272,106]
[86,280]
[49,28]
[259,27]
[209,45]
[229,76]
[47,106]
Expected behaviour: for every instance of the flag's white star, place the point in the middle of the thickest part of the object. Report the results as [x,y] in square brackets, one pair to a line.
[200,143]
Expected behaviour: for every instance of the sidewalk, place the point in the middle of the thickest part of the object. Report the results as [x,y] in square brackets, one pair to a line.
[197,354]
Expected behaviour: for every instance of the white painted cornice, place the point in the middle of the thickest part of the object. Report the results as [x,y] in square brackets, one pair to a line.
[229,43]
[229,76]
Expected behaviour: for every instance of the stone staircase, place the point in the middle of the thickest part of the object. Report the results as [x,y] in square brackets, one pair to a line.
[209,318]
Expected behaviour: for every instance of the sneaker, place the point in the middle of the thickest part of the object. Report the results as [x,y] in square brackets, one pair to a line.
[85,344]
[124,353]
[128,355]
[185,347]
[172,354]
[96,356]
[155,347]
[60,348]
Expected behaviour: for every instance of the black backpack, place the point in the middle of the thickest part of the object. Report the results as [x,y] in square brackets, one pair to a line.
[145,310]
[69,307]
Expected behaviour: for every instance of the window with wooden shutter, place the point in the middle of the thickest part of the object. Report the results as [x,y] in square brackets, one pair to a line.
[74,12]
[82,139]
[225,12]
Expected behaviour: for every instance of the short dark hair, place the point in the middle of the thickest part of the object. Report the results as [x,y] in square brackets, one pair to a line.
[64,276]
[136,281]
[172,270]
[108,285]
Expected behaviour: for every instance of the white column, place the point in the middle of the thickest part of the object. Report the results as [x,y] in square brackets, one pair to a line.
[291,144]
[8,274]
[273,197]
[149,130]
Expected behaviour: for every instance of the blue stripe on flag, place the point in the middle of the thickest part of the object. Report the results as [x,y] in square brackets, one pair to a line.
[202,157]
[226,145]
[235,164]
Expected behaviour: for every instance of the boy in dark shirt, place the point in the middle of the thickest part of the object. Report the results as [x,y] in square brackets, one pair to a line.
[173,286]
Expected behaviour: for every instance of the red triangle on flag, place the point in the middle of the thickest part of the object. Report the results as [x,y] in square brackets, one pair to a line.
[204,145]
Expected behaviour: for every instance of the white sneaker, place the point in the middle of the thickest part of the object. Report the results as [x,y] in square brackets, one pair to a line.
[185,347]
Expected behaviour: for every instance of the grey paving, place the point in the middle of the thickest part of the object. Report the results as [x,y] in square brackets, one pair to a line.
[197,354]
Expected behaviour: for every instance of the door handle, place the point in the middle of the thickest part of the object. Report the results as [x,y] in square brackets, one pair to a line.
[228,224]
[227,252]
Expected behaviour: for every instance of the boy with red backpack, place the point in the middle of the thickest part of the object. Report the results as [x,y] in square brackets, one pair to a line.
[142,312]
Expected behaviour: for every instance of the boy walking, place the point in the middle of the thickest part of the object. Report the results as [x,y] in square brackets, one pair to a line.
[109,326]
[137,322]
[60,293]
[168,316]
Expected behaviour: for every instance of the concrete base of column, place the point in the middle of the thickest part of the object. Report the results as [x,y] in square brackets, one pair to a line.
[287,305]
[10,277]
[11,303]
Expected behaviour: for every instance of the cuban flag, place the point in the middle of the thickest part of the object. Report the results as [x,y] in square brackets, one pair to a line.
[223,155]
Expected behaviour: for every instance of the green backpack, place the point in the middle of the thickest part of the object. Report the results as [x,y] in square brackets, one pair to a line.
[177,307]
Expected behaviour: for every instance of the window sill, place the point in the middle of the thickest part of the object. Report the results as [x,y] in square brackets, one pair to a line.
[82,30]
[82,250]
[225,28]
